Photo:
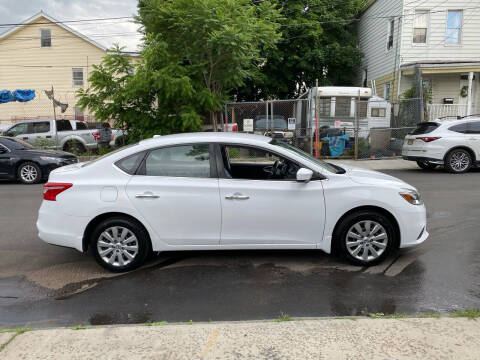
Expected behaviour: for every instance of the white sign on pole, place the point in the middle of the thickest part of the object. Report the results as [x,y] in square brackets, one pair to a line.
[292,123]
[248,125]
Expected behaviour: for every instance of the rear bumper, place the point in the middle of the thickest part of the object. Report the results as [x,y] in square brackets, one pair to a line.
[423,158]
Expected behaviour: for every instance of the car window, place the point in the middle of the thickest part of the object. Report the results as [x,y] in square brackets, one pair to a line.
[40,127]
[18,129]
[81,125]
[474,127]
[460,128]
[15,144]
[179,161]
[131,163]
[277,123]
[424,128]
[64,125]
[250,163]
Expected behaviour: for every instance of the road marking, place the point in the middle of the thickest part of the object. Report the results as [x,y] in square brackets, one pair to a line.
[210,343]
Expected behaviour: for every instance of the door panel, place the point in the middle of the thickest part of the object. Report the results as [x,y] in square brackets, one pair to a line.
[6,168]
[264,212]
[473,137]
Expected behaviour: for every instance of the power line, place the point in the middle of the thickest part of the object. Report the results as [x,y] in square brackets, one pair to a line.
[66,21]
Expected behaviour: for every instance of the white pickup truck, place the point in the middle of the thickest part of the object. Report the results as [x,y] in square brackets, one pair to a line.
[67,135]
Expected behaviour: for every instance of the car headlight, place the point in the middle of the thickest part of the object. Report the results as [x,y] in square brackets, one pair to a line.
[51,159]
[412,196]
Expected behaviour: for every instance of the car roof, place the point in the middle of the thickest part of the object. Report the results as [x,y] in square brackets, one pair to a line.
[456,121]
[206,137]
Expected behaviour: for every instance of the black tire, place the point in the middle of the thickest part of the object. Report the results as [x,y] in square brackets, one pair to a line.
[426,165]
[136,229]
[74,147]
[346,224]
[454,165]
[29,173]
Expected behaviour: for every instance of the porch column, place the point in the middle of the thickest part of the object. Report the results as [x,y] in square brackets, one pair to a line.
[469,93]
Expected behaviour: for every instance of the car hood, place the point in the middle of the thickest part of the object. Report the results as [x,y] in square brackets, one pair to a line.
[52,153]
[371,177]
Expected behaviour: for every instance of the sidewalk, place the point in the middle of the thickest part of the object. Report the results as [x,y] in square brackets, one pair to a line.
[362,338]
[387,164]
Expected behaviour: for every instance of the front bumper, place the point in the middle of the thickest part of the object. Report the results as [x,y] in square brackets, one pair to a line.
[412,221]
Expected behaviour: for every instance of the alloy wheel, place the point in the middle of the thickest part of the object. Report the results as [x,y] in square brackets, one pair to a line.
[29,173]
[117,246]
[459,161]
[366,240]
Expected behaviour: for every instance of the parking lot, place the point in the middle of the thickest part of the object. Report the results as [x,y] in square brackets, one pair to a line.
[44,285]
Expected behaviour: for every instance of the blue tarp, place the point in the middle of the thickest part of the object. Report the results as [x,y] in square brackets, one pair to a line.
[336,144]
[21,95]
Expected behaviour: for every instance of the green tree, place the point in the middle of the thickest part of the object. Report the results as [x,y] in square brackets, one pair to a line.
[318,41]
[219,43]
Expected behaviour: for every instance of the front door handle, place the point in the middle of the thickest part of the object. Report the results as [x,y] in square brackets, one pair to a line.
[25,138]
[237,196]
[147,195]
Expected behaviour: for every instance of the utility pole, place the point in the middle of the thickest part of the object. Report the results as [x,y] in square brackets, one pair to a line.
[54,118]
[317,135]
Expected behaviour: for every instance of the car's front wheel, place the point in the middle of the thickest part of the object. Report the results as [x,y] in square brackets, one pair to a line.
[426,165]
[458,161]
[29,173]
[120,244]
[365,237]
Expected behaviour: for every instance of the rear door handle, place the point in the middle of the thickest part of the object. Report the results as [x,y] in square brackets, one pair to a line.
[237,196]
[147,195]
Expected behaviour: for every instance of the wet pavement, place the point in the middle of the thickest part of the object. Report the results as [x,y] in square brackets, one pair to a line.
[43,285]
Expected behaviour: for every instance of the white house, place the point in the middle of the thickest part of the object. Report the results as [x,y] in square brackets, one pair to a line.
[439,38]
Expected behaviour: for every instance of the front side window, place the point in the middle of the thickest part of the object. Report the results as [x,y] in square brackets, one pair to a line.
[391,29]
[420,26]
[77,77]
[454,27]
[250,163]
[45,38]
[179,161]
[41,127]
[18,129]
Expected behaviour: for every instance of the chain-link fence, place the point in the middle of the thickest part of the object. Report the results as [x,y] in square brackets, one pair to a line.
[327,127]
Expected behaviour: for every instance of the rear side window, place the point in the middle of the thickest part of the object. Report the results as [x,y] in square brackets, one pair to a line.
[131,163]
[64,125]
[474,127]
[179,161]
[81,126]
[41,127]
[460,128]
[424,128]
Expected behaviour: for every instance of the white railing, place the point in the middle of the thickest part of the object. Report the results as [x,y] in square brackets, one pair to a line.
[436,111]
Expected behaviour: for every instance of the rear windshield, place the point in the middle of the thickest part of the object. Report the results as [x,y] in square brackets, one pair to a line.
[425,128]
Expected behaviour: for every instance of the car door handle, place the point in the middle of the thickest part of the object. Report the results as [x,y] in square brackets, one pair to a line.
[237,196]
[147,195]
[48,136]
[25,138]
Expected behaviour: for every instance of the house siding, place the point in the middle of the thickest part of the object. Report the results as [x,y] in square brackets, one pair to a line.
[373,33]
[435,49]
[21,58]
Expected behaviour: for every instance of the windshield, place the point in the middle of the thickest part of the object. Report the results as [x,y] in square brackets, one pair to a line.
[303,154]
[108,154]
[16,144]
[279,123]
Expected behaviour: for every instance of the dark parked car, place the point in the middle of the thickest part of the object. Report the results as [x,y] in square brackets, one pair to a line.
[21,161]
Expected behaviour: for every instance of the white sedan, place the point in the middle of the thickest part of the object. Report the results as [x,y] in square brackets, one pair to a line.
[218,191]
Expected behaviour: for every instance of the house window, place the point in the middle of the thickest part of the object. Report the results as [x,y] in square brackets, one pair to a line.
[420,26]
[45,38]
[386,91]
[379,112]
[454,27]
[78,113]
[391,29]
[77,77]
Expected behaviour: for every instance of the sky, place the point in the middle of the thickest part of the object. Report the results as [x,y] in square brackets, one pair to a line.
[106,33]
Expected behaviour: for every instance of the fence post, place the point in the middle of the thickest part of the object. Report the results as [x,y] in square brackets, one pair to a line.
[357,126]
[317,135]
[226,119]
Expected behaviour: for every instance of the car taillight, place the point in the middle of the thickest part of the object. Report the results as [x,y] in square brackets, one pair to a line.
[428,138]
[51,190]
[96,135]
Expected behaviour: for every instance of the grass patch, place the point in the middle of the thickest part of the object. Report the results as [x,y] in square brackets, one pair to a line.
[283,317]
[156,323]
[17,331]
[387,316]
[81,327]
[190,322]
[467,313]
[429,315]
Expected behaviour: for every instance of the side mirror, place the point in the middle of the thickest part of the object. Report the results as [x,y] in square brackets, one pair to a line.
[304,175]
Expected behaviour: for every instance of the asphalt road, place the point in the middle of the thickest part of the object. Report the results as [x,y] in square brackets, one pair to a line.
[44,285]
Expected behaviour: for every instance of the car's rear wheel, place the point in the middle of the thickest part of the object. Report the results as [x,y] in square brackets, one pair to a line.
[366,237]
[120,244]
[458,161]
[29,173]
[427,165]
[74,147]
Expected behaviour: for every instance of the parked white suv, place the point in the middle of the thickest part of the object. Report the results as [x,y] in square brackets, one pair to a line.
[452,143]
